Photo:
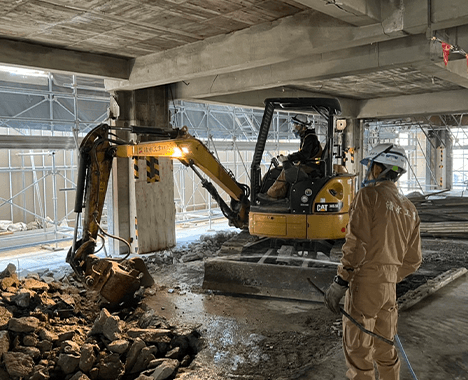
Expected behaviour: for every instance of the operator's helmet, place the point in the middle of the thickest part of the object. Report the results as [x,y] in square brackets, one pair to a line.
[391,156]
[300,122]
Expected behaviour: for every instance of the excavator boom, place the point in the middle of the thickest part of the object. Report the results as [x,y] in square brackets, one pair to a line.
[117,279]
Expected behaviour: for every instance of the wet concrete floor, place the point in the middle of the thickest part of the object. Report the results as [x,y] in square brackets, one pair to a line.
[434,333]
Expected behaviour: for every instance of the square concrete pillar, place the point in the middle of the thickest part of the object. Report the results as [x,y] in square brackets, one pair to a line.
[144,210]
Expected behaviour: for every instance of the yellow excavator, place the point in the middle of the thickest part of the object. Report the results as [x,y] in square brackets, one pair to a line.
[315,212]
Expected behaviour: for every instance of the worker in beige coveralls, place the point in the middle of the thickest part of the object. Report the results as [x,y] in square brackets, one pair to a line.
[382,247]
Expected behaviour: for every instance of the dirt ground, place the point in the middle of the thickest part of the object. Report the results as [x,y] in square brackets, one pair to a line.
[260,338]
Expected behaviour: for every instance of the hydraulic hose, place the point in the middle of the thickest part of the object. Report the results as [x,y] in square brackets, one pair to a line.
[396,342]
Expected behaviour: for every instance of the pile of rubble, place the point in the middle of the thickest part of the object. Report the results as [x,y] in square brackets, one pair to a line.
[206,246]
[53,329]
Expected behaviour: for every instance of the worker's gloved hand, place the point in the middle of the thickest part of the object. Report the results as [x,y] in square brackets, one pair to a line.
[333,296]
[282,158]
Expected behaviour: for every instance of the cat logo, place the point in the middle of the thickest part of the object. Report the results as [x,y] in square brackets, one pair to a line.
[328,207]
[322,207]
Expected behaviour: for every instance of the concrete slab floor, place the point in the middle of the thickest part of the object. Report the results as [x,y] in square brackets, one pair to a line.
[242,333]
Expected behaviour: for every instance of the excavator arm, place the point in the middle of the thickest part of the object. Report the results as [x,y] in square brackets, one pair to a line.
[116,279]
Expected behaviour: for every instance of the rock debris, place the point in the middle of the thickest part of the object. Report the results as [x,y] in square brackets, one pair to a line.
[51,330]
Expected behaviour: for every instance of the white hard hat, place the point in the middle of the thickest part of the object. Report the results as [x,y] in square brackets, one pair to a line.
[392,156]
[300,119]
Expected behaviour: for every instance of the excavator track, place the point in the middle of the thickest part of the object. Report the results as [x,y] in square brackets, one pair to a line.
[260,267]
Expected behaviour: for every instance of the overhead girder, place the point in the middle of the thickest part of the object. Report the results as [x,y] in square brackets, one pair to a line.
[407,105]
[304,34]
[355,12]
[250,87]
[26,54]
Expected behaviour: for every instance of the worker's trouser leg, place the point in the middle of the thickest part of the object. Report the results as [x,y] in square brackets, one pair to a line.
[280,187]
[374,307]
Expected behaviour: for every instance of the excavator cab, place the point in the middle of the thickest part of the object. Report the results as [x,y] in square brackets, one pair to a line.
[316,206]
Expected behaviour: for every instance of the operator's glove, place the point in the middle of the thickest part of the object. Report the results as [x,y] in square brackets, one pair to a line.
[334,294]
[282,158]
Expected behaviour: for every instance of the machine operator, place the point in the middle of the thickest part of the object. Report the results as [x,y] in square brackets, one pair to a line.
[300,163]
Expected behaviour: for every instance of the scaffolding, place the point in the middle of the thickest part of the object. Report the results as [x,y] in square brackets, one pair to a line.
[42,119]
[445,134]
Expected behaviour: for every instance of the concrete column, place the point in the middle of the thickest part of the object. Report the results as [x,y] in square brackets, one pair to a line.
[144,211]
[352,145]
[441,158]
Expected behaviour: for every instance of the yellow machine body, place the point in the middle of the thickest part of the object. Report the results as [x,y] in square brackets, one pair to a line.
[322,223]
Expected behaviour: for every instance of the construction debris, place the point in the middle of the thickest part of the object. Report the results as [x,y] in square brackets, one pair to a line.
[441,216]
[412,297]
[52,330]
[206,246]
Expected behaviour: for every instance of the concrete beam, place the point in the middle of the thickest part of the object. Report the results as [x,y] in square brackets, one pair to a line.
[304,34]
[455,71]
[25,54]
[355,12]
[363,59]
[415,105]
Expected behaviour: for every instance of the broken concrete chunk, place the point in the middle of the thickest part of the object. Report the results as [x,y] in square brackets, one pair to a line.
[133,353]
[69,347]
[185,362]
[45,334]
[30,340]
[9,282]
[88,358]
[45,346]
[33,352]
[79,376]
[18,364]
[7,296]
[164,370]
[23,324]
[143,359]
[174,353]
[68,362]
[108,325]
[40,373]
[150,335]
[119,346]
[23,297]
[33,284]
[111,367]
[4,342]
[112,328]
[155,362]
[67,335]
[5,317]
[8,271]
[144,377]
[46,301]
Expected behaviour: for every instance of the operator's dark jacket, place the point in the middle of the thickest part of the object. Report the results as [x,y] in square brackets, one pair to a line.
[310,149]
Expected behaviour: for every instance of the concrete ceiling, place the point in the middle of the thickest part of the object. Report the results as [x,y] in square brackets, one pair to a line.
[378,57]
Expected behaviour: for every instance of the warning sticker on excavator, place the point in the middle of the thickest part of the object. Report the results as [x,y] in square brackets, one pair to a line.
[328,207]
